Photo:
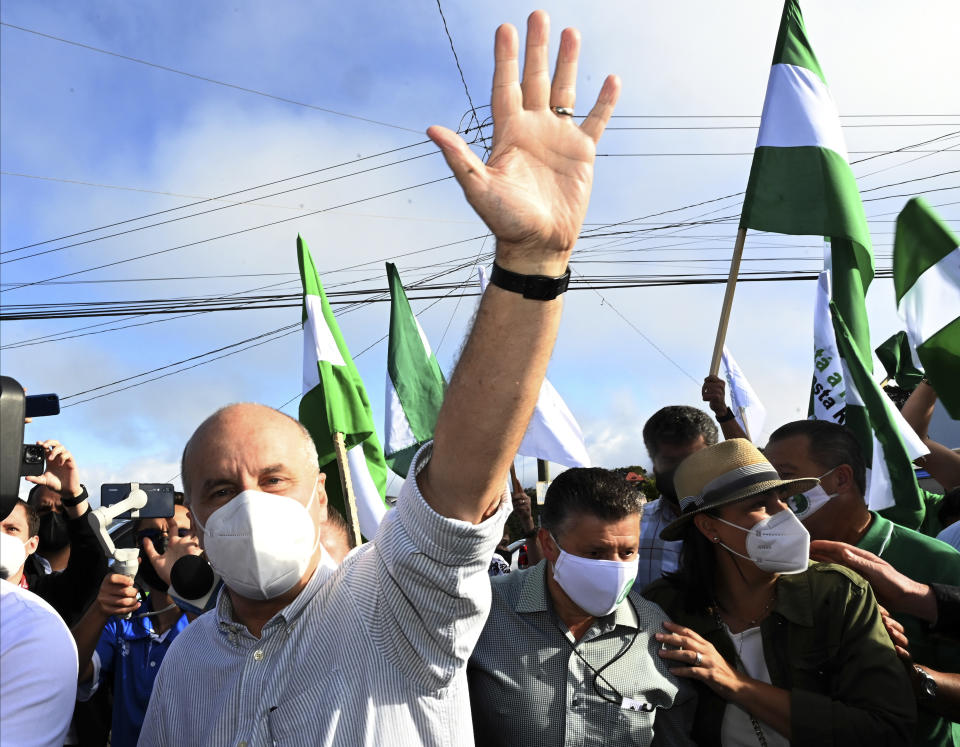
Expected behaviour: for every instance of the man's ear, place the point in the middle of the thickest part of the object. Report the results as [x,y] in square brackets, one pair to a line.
[31,544]
[843,474]
[549,548]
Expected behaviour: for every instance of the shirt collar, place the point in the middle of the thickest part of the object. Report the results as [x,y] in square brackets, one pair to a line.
[534,598]
[877,536]
[325,569]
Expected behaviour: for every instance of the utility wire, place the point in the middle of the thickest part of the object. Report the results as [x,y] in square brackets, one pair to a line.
[199,201]
[208,80]
[215,209]
[456,59]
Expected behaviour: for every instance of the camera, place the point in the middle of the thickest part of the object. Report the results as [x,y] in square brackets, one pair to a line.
[33,460]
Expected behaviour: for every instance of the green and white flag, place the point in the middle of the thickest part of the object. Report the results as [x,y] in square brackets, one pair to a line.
[335,401]
[890,480]
[415,383]
[801,183]
[898,358]
[926,277]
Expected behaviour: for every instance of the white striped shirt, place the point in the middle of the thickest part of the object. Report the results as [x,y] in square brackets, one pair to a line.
[371,653]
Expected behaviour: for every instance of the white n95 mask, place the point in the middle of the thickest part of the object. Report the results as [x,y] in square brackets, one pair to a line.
[777,544]
[596,586]
[13,554]
[261,543]
[807,503]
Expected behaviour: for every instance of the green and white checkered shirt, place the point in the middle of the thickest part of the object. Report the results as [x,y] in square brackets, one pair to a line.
[528,687]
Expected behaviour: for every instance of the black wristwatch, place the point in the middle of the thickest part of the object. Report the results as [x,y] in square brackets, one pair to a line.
[727,416]
[928,685]
[537,287]
[71,502]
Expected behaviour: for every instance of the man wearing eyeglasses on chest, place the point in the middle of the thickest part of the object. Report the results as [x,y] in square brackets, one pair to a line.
[568,654]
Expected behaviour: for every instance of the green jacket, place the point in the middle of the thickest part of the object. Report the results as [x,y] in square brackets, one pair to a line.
[824,641]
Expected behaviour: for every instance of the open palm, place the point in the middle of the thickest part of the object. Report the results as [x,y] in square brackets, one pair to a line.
[534,189]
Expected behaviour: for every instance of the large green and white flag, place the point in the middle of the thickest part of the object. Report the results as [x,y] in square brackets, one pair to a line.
[926,277]
[335,401]
[801,183]
[891,481]
[415,383]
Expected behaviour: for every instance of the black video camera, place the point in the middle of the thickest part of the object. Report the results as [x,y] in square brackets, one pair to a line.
[16,458]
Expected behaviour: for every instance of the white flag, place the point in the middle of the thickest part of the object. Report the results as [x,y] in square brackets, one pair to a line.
[746,405]
[553,433]
[834,388]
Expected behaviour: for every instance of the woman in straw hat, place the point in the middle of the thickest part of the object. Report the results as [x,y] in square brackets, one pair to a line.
[783,651]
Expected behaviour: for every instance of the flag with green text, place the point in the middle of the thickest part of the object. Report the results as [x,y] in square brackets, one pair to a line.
[926,278]
[891,481]
[801,183]
[415,383]
[335,401]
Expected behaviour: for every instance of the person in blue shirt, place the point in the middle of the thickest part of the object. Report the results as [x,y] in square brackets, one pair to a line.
[132,649]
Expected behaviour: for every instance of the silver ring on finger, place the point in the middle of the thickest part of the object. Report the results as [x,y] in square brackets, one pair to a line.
[699,660]
[562,111]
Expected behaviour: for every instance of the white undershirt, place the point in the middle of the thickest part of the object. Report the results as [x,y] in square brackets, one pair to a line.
[737,729]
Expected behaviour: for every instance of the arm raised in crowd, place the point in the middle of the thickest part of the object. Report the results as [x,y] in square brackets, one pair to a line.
[715,394]
[71,591]
[532,193]
[942,463]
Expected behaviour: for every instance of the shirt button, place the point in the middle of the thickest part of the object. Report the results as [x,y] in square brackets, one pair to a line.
[153,663]
[258,655]
[242,744]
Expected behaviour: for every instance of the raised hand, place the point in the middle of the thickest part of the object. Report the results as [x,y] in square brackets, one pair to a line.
[61,475]
[117,596]
[177,547]
[534,189]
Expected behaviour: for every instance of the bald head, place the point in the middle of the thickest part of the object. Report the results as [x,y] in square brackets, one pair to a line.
[245,423]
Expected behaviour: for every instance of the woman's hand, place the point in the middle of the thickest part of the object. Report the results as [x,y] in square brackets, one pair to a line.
[699,660]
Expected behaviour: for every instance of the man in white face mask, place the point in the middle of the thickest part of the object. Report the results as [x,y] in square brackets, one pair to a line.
[576,623]
[301,652]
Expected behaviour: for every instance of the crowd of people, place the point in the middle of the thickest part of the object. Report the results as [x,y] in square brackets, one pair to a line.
[756,601]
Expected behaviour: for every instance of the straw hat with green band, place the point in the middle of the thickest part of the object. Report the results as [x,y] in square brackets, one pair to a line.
[725,473]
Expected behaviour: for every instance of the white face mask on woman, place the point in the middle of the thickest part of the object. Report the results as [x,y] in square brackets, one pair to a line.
[597,587]
[777,544]
[261,543]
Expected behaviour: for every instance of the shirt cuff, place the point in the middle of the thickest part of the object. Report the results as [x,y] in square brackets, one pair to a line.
[86,690]
[449,541]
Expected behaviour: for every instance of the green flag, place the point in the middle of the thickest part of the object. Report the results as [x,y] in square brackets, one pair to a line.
[801,183]
[926,278]
[334,401]
[896,355]
[415,384]
[891,473]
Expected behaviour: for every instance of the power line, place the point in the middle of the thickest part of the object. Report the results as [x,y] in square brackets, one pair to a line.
[205,79]
[456,59]
[225,235]
[216,209]
[198,202]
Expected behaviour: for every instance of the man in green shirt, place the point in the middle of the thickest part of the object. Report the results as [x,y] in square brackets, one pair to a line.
[819,448]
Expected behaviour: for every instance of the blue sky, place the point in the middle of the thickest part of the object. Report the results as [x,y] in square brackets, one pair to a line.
[73,114]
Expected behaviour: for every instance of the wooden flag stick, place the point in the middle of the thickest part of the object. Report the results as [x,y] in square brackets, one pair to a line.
[727,301]
[349,501]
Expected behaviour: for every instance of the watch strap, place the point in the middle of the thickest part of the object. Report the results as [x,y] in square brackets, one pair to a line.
[536,287]
[71,502]
[726,417]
